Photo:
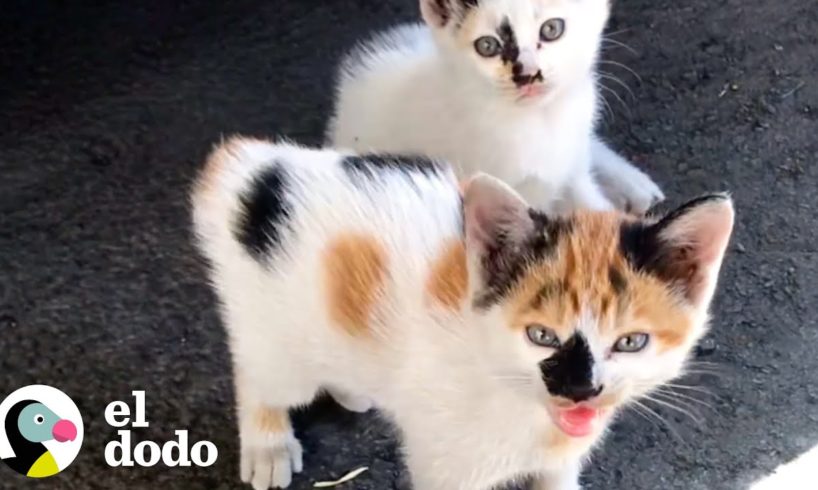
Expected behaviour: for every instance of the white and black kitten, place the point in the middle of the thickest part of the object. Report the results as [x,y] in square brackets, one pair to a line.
[507,87]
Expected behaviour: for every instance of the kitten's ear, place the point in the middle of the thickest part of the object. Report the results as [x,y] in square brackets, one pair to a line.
[438,13]
[686,247]
[495,216]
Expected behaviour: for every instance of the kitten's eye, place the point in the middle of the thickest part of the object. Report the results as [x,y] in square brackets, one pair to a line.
[487,46]
[39,419]
[631,343]
[542,336]
[552,29]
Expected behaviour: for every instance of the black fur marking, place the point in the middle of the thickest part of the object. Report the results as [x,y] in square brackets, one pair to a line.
[445,8]
[548,291]
[442,9]
[265,211]
[510,51]
[505,263]
[373,165]
[618,281]
[569,372]
[640,245]
[647,252]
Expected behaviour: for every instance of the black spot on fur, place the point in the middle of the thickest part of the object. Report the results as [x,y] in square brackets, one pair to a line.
[511,51]
[641,244]
[618,281]
[445,8]
[549,290]
[505,263]
[265,211]
[569,372]
[373,165]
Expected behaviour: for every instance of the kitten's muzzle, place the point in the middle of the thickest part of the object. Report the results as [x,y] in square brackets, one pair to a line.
[579,393]
[522,77]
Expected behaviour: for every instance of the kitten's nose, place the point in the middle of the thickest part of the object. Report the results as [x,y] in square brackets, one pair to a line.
[521,77]
[581,393]
[525,69]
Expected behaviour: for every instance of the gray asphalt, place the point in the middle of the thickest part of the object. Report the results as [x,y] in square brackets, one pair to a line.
[108,110]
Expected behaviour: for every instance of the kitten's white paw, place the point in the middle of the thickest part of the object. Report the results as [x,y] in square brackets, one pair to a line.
[630,189]
[269,462]
[353,403]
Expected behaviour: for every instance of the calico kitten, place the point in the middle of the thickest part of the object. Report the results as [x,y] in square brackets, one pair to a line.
[500,340]
[506,87]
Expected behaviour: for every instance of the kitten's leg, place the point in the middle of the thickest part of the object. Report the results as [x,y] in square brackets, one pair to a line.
[352,402]
[585,193]
[567,479]
[270,453]
[626,186]
[542,196]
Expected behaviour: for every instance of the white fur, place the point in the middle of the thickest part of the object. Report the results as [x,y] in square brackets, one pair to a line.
[414,89]
[463,387]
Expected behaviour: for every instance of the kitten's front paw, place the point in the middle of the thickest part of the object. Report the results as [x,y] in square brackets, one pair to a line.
[269,462]
[631,190]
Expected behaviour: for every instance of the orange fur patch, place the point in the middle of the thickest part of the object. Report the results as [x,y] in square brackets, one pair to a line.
[588,271]
[271,420]
[448,281]
[355,272]
[217,163]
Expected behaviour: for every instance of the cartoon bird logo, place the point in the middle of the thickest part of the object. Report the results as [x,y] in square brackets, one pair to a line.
[29,424]
[40,431]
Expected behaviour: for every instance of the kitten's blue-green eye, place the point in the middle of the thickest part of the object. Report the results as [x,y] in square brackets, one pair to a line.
[631,343]
[488,46]
[552,29]
[542,336]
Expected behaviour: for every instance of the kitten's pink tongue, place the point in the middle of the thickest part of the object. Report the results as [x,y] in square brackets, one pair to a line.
[577,421]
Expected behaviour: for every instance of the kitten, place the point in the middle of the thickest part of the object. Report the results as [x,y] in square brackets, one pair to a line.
[506,87]
[501,341]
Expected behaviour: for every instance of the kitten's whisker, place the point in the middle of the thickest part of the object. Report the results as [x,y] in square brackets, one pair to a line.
[608,109]
[704,366]
[616,33]
[618,97]
[703,372]
[673,431]
[684,396]
[705,363]
[619,82]
[698,389]
[623,66]
[620,44]
[695,418]
[694,404]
